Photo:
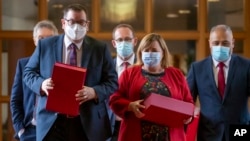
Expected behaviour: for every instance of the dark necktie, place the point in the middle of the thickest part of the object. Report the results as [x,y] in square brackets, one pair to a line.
[72,55]
[126,64]
[221,79]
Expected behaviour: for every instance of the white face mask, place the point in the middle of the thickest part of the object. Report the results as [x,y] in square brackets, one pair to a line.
[75,31]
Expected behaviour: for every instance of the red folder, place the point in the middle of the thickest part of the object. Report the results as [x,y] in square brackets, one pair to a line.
[167,111]
[68,80]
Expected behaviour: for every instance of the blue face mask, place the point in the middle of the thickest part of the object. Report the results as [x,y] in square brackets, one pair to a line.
[124,49]
[220,53]
[151,59]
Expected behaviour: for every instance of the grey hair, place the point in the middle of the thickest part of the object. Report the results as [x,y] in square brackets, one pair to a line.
[45,24]
[221,26]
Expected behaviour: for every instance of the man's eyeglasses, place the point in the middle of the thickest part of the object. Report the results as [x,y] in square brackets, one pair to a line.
[127,39]
[80,22]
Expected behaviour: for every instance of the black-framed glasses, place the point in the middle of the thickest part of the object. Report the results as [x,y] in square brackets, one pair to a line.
[127,39]
[80,22]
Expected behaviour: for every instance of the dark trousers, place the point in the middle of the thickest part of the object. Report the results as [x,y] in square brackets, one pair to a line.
[66,129]
[29,134]
[116,131]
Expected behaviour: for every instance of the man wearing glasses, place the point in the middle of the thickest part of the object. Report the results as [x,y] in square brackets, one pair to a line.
[101,81]
[124,41]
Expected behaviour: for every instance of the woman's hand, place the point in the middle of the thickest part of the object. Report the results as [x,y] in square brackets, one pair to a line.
[187,121]
[135,107]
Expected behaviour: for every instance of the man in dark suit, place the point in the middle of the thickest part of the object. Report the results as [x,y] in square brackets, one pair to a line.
[222,83]
[22,102]
[93,123]
[124,41]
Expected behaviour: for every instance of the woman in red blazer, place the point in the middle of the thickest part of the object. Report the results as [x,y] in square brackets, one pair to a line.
[151,74]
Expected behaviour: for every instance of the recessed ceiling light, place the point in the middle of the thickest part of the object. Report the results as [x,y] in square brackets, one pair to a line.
[172,15]
[213,0]
[183,11]
[57,6]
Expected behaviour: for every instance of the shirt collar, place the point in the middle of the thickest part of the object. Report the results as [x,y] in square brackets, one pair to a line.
[119,61]
[67,42]
[226,63]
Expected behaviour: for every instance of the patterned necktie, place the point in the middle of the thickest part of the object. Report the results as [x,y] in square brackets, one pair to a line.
[221,79]
[72,55]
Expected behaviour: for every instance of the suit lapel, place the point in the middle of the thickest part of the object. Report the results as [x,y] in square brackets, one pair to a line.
[58,47]
[86,52]
[211,76]
[230,75]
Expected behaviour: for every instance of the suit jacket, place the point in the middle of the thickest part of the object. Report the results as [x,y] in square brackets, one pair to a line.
[111,114]
[22,101]
[216,113]
[130,84]
[101,76]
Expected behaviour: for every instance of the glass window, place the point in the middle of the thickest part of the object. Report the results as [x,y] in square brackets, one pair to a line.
[56,8]
[114,12]
[4,78]
[183,53]
[19,14]
[238,47]
[6,124]
[228,12]
[174,15]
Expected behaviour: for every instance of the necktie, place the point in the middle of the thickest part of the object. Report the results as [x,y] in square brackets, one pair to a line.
[221,79]
[126,64]
[72,55]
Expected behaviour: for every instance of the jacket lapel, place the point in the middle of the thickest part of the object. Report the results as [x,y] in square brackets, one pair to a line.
[230,76]
[211,76]
[58,47]
[86,52]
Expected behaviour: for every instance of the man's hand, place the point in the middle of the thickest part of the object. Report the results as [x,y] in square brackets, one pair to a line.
[85,94]
[47,85]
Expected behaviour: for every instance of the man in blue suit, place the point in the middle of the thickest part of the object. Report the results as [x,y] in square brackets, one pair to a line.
[223,91]
[93,123]
[22,102]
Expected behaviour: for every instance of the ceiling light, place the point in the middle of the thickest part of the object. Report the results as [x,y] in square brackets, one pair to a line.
[172,15]
[57,6]
[183,11]
[213,0]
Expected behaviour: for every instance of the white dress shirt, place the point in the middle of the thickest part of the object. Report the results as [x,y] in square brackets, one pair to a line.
[216,70]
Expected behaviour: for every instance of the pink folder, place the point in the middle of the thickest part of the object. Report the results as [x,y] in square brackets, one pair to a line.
[167,111]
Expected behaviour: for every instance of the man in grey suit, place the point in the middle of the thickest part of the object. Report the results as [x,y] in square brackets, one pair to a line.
[93,123]
[222,83]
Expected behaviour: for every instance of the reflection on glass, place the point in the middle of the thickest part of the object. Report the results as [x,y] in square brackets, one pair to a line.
[4,79]
[114,12]
[175,15]
[183,53]
[56,8]
[228,12]
[119,10]
[5,123]
[19,14]
[238,47]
